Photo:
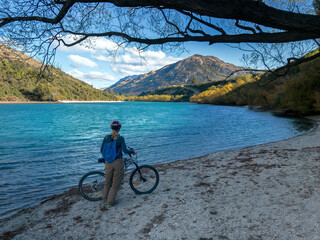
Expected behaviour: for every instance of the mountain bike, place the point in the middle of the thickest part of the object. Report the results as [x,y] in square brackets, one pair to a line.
[144,179]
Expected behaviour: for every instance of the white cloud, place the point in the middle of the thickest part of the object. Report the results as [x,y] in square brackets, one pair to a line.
[92,76]
[96,79]
[104,44]
[132,62]
[92,45]
[128,61]
[100,58]
[78,61]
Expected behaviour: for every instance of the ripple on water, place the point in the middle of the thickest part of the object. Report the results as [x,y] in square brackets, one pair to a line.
[46,148]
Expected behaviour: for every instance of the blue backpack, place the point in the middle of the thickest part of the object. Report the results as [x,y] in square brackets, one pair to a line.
[109,151]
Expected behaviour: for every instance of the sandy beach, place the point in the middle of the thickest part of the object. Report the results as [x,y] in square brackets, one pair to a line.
[269,191]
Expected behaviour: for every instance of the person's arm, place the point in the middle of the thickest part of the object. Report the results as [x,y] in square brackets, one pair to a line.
[124,147]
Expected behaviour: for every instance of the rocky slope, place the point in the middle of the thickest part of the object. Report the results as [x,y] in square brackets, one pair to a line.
[196,68]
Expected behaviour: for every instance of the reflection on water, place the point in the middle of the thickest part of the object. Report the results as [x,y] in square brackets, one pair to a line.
[303,124]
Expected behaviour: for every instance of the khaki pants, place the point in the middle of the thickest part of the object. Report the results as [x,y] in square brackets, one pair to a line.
[114,176]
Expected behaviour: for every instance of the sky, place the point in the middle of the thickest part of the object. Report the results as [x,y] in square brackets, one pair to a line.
[94,65]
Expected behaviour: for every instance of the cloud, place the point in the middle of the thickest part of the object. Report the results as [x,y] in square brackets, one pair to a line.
[78,61]
[128,61]
[100,58]
[91,45]
[92,76]
[132,62]
[126,58]
[104,44]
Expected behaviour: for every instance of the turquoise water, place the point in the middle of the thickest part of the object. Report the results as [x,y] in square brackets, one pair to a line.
[46,148]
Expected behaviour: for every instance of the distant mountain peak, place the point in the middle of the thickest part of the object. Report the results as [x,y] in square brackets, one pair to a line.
[203,68]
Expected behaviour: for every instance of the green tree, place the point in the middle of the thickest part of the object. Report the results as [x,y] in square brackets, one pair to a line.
[42,93]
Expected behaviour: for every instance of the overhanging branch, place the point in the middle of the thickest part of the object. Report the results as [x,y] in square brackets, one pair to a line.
[237,38]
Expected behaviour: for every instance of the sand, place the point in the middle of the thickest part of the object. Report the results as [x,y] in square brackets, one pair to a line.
[269,191]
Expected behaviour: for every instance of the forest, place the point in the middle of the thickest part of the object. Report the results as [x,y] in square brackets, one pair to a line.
[296,93]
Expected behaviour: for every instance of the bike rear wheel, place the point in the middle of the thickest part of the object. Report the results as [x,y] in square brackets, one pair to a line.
[144,180]
[91,185]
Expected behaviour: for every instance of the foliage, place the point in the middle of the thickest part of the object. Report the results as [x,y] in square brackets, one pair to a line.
[21,82]
[302,92]
[155,98]
[208,96]
[185,90]
[172,91]
[297,92]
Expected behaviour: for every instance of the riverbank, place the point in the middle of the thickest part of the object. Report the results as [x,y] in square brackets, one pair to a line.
[269,191]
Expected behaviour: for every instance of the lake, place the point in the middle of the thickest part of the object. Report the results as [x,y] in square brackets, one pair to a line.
[46,148]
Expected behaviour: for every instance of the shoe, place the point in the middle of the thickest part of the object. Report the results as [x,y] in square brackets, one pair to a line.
[112,205]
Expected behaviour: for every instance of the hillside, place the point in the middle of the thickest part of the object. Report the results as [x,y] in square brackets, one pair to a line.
[20,81]
[186,92]
[296,94]
[196,68]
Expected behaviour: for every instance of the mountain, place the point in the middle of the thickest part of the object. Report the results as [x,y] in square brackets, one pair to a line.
[20,81]
[196,68]
[125,79]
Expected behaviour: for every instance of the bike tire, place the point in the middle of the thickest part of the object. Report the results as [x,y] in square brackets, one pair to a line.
[138,183]
[89,189]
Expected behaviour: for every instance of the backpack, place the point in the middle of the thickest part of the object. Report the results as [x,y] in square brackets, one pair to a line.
[109,151]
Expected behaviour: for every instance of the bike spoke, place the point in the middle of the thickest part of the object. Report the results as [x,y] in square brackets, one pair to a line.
[92,186]
[144,179]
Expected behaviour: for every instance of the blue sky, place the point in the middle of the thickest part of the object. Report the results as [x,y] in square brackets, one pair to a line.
[95,67]
[93,64]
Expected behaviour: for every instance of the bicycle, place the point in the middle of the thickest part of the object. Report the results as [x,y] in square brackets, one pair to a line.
[144,179]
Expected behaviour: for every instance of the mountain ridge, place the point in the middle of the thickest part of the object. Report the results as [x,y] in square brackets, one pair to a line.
[195,68]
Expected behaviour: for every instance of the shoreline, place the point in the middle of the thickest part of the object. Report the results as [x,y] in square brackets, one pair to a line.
[67,101]
[262,191]
[62,101]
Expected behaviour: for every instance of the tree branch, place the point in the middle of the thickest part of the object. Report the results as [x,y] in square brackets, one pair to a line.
[203,22]
[63,11]
[246,10]
[258,37]
[244,27]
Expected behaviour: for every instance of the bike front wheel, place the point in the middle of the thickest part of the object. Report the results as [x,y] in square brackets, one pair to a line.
[144,180]
[91,185]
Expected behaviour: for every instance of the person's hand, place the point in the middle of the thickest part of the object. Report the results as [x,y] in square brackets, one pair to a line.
[135,153]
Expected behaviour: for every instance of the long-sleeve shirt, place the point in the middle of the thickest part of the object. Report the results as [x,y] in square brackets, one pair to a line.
[121,145]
